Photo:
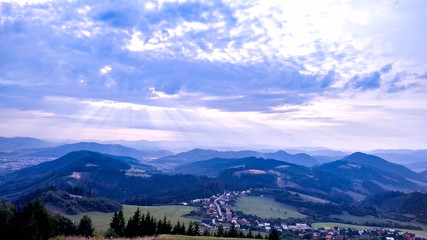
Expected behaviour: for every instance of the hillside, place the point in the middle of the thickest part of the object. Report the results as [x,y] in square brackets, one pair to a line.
[105,176]
[113,149]
[196,155]
[384,165]
[19,143]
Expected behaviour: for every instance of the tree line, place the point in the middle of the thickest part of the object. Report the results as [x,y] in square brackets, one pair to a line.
[140,225]
[34,222]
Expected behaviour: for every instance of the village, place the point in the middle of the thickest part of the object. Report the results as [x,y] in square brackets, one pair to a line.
[218,213]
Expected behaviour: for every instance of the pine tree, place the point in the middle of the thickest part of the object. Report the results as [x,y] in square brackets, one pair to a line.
[35,221]
[232,233]
[85,227]
[274,234]
[118,223]
[196,230]
[206,232]
[250,235]
[133,226]
[259,236]
[176,228]
[190,230]
[220,232]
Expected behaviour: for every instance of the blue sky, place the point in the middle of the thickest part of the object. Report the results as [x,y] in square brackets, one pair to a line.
[335,74]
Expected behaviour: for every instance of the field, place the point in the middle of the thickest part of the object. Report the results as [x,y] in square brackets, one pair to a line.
[160,237]
[265,207]
[359,227]
[371,219]
[101,221]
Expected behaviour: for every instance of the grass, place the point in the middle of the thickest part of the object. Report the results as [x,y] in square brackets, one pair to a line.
[101,221]
[371,219]
[359,227]
[265,207]
[159,237]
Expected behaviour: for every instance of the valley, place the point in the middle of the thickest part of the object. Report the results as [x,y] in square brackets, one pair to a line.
[249,190]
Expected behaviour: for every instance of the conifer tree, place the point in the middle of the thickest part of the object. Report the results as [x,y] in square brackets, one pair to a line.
[85,227]
[206,232]
[220,232]
[250,235]
[190,230]
[133,226]
[196,230]
[274,234]
[232,233]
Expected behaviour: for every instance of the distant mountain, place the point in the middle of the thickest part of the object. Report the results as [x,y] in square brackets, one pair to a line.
[113,149]
[202,154]
[19,143]
[424,173]
[384,165]
[215,166]
[299,158]
[402,156]
[417,166]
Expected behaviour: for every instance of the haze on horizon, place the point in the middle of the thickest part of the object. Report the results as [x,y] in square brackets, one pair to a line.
[334,74]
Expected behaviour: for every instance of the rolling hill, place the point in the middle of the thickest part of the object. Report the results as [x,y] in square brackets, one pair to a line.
[196,155]
[112,149]
[384,165]
[19,143]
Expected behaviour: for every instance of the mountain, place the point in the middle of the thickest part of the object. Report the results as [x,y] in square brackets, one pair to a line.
[402,156]
[299,158]
[363,176]
[424,173]
[417,166]
[109,177]
[384,165]
[414,203]
[19,143]
[112,149]
[202,154]
[213,167]
[73,165]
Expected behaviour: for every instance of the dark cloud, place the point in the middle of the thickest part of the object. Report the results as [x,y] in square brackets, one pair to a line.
[386,68]
[370,81]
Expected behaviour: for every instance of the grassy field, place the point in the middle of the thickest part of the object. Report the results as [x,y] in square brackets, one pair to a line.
[371,219]
[359,227]
[160,237]
[101,221]
[265,207]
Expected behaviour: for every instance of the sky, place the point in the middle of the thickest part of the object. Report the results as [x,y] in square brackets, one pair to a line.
[260,74]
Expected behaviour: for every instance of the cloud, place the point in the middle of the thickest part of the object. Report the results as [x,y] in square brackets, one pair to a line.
[369,81]
[236,59]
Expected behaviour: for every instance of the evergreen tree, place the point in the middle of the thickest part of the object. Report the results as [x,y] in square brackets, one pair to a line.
[35,222]
[220,232]
[176,228]
[233,232]
[62,226]
[7,220]
[196,230]
[259,236]
[250,235]
[118,224]
[241,235]
[190,230]
[133,226]
[182,230]
[206,232]
[274,234]
[85,227]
